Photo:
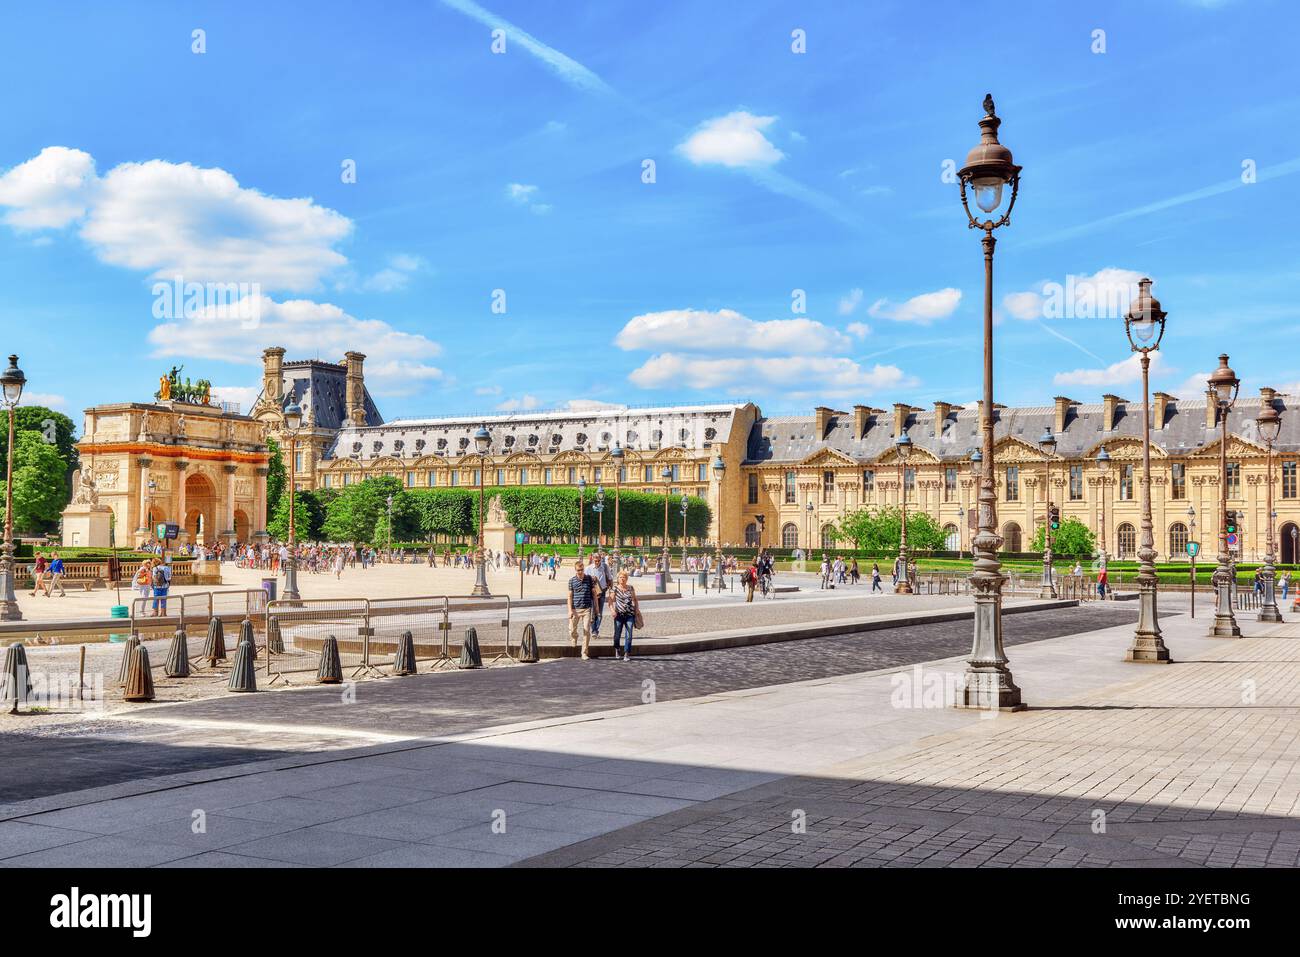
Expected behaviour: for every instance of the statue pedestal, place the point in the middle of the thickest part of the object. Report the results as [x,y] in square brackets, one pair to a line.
[499,537]
[87,526]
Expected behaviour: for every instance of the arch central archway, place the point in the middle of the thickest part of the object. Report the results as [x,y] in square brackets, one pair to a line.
[201,510]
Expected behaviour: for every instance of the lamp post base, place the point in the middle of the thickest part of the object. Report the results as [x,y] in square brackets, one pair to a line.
[904,587]
[1148,647]
[1268,610]
[987,683]
[1225,623]
[668,561]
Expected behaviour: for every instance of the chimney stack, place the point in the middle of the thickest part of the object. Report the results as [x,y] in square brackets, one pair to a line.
[1062,410]
[356,388]
[273,374]
[941,410]
[1211,409]
[861,419]
[823,420]
[1159,409]
[901,411]
[1110,405]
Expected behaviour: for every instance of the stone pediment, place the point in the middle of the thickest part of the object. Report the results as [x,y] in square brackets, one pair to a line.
[673,452]
[521,458]
[1127,450]
[572,455]
[1013,451]
[1238,448]
[918,456]
[828,457]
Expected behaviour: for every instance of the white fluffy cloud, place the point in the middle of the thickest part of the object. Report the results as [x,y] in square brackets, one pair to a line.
[1116,374]
[50,400]
[524,403]
[698,330]
[50,190]
[169,219]
[849,304]
[829,374]
[1105,294]
[244,395]
[395,360]
[525,194]
[734,140]
[859,329]
[923,309]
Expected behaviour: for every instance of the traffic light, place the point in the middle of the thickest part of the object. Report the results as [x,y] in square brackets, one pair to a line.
[1230,522]
[1054,514]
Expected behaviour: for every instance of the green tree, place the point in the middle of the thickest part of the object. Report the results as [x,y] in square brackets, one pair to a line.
[308,516]
[54,427]
[352,515]
[40,483]
[276,479]
[1072,538]
[880,529]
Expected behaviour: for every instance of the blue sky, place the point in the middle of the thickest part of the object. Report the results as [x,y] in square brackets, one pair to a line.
[127,159]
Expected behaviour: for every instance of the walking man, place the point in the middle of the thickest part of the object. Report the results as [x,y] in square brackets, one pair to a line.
[581,592]
[600,574]
[56,578]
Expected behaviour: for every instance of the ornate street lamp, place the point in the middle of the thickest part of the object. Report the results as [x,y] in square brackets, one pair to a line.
[685,508]
[1270,425]
[667,476]
[989,684]
[1103,481]
[809,513]
[719,468]
[1224,384]
[617,456]
[582,508]
[13,381]
[1191,557]
[961,541]
[599,508]
[482,442]
[903,448]
[1145,325]
[1047,442]
[292,423]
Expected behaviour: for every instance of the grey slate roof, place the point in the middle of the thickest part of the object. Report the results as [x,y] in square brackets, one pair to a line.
[793,438]
[542,432]
[322,388]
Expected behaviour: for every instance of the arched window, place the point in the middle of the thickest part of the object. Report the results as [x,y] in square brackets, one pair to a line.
[1011,537]
[828,536]
[751,535]
[1290,541]
[1127,540]
[789,535]
[1177,540]
[951,538]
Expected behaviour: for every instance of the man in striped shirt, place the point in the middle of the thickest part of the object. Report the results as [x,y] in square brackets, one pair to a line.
[582,590]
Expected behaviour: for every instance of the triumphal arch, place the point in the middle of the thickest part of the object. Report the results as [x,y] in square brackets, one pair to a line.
[181,459]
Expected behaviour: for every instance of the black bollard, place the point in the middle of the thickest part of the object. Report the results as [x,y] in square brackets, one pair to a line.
[246,634]
[330,671]
[528,650]
[132,643]
[274,640]
[178,655]
[470,657]
[214,649]
[404,660]
[17,678]
[139,677]
[243,675]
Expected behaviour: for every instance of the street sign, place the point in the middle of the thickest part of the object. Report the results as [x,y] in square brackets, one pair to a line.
[519,538]
[164,530]
[1232,540]
[1193,548]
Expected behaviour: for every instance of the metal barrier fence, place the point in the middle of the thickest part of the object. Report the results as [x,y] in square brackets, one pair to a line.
[1247,599]
[200,606]
[368,629]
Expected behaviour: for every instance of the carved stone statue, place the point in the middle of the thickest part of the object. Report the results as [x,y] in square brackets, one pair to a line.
[164,388]
[86,493]
[496,513]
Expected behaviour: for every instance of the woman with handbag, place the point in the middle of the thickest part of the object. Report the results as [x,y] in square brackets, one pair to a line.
[627,614]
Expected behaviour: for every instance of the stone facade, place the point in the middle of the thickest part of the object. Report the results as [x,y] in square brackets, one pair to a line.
[197,466]
[837,461]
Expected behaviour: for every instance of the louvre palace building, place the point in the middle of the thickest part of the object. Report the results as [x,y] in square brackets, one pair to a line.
[791,478]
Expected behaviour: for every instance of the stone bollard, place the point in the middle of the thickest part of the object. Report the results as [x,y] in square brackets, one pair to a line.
[17,678]
[470,657]
[404,660]
[139,677]
[132,643]
[214,649]
[243,675]
[528,650]
[274,640]
[330,671]
[178,655]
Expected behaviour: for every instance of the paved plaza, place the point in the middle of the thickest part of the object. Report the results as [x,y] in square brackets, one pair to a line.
[809,752]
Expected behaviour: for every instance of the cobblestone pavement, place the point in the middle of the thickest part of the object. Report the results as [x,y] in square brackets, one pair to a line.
[1192,765]
[238,728]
